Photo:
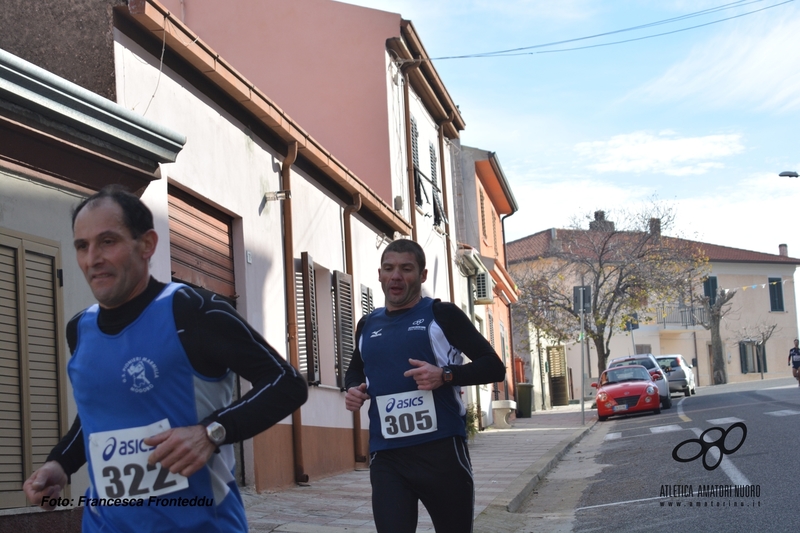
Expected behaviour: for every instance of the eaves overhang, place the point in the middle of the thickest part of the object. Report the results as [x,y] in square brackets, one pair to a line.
[503,181]
[503,281]
[82,132]
[425,80]
[167,28]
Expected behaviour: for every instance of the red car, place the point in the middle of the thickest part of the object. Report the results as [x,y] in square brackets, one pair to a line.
[624,390]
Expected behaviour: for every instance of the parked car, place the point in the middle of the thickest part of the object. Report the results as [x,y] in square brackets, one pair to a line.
[680,373]
[648,361]
[626,389]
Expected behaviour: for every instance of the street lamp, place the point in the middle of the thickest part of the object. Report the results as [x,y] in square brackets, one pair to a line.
[788,174]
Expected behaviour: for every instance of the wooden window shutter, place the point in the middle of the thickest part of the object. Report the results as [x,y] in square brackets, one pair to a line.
[31,410]
[309,338]
[344,319]
[367,302]
[11,449]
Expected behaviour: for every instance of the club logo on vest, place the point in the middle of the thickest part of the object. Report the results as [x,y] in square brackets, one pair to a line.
[417,325]
[141,372]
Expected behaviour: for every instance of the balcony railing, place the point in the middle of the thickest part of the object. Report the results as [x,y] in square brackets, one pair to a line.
[685,316]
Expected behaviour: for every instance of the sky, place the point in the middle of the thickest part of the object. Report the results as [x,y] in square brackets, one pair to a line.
[702,120]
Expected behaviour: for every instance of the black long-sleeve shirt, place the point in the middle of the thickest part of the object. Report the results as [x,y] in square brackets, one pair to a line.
[485,365]
[216,339]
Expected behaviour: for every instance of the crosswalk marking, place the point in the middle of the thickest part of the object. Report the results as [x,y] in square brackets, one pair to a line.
[665,429]
[729,420]
[612,436]
[784,412]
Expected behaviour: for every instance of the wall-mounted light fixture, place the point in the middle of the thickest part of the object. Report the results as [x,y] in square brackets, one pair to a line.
[277,195]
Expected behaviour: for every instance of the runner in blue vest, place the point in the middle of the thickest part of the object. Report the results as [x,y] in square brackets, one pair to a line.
[153,371]
[794,360]
[408,360]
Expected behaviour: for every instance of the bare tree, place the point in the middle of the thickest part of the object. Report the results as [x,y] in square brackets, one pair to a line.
[626,264]
[714,313]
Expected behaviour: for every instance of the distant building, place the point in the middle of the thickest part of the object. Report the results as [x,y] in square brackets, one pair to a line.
[765,296]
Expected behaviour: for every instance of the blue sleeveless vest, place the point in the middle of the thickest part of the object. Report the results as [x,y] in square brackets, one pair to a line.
[135,378]
[386,344]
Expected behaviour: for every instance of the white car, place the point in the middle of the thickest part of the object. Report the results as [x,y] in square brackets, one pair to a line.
[649,362]
[679,373]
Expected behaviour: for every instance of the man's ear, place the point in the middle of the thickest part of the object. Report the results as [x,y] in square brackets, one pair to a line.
[149,240]
[423,276]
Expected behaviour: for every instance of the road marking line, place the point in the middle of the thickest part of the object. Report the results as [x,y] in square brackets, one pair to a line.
[612,436]
[784,412]
[620,503]
[681,414]
[736,477]
[729,420]
[666,429]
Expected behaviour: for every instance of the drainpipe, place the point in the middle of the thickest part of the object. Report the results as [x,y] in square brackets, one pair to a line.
[291,305]
[358,450]
[511,332]
[444,204]
[470,288]
[412,208]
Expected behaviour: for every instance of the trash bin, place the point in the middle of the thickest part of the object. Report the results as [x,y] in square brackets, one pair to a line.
[525,397]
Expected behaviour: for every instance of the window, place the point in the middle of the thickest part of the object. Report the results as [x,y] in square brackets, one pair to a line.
[710,289]
[491,329]
[419,190]
[752,356]
[325,322]
[32,403]
[494,233]
[483,214]
[775,294]
[343,323]
[367,301]
[503,349]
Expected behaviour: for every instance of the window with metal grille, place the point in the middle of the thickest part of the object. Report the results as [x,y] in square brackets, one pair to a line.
[32,403]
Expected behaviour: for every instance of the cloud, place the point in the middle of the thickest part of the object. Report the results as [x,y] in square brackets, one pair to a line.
[664,153]
[755,62]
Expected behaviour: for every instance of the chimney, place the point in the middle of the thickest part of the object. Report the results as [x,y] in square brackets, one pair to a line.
[600,223]
[783,250]
[655,227]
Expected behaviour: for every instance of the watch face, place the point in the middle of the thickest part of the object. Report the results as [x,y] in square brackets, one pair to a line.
[216,432]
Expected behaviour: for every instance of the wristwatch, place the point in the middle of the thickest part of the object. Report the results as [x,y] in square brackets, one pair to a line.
[216,433]
[447,374]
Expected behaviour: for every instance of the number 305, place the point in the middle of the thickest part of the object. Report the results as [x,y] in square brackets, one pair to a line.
[405,423]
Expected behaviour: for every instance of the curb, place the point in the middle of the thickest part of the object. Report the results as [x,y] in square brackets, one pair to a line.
[512,498]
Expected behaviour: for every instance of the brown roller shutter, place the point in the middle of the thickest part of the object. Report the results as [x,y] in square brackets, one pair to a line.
[201,247]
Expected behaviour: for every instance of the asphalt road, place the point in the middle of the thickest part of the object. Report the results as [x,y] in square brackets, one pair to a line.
[622,475]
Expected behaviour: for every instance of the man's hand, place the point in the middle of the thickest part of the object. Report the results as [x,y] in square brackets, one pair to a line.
[355,397]
[427,376]
[46,482]
[182,450]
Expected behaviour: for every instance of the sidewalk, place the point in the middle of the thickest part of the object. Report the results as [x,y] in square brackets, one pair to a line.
[507,464]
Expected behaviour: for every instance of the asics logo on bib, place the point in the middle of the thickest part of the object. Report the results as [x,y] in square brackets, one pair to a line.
[403,404]
[126,447]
